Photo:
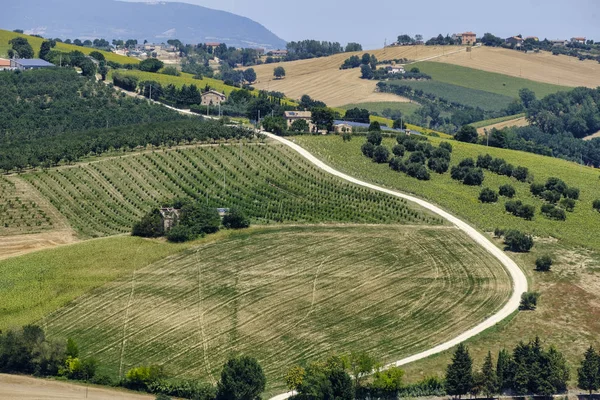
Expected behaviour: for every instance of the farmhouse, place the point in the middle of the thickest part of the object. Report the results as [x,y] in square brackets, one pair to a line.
[468,38]
[291,116]
[559,42]
[169,217]
[212,97]
[4,63]
[212,45]
[279,53]
[579,40]
[342,127]
[25,64]
[514,41]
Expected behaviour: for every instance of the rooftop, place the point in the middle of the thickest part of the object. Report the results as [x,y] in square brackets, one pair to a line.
[213,92]
[33,62]
[298,114]
[4,62]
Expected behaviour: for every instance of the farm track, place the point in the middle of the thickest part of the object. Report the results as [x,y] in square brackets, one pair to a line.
[517,275]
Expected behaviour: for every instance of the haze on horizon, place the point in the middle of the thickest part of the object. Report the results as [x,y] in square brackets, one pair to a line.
[372,23]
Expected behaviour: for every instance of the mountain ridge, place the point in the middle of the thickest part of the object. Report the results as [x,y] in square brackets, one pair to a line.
[153,21]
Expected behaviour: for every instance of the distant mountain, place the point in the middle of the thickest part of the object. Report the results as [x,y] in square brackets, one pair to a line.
[155,22]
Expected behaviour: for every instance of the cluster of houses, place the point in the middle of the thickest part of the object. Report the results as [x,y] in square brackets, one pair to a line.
[518,41]
[23,64]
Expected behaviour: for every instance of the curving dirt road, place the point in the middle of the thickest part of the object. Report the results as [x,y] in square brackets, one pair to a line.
[517,276]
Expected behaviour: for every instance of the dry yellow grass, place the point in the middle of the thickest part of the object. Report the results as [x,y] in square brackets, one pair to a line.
[322,79]
[501,125]
[541,67]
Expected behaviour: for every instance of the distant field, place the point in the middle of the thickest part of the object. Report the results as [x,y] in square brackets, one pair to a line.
[494,121]
[36,42]
[322,79]
[487,81]
[471,97]
[521,121]
[379,107]
[270,182]
[540,67]
[289,295]
[37,284]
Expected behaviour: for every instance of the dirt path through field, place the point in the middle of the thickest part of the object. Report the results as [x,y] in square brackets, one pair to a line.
[594,136]
[517,275]
[27,388]
[501,125]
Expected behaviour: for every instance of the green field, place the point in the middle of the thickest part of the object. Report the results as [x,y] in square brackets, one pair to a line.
[405,108]
[487,81]
[287,295]
[39,283]
[493,121]
[487,101]
[36,42]
[462,200]
[270,182]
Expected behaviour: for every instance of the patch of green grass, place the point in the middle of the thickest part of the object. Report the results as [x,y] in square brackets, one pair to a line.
[581,228]
[289,295]
[494,121]
[270,182]
[405,108]
[459,94]
[36,42]
[487,81]
[39,283]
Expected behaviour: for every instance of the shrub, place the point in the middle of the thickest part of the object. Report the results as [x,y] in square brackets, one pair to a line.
[151,225]
[374,127]
[425,147]
[398,150]
[550,196]
[498,232]
[521,174]
[553,212]
[536,189]
[162,397]
[200,219]
[141,378]
[466,134]
[568,204]
[484,161]
[375,138]
[151,65]
[180,233]
[543,263]
[438,165]
[496,165]
[556,185]
[572,193]
[596,205]
[418,171]
[417,157]
[474,177]
[487,195]
[447,146]
[396,164]
[518,209]
[236,219]
[367,149]
[518,241]
[507,191]
[410,145]
[170,71]
[528,301]
[299,125]
[467,162]
[506,169]
[242,378]
[381,154]
[441,153]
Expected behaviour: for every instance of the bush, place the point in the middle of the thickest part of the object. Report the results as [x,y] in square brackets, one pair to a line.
[543,263]
[528,301]
[496,165]
[438,165]
[498,232]
[426,148]
[447,146]
[179,234]
[397,164]
[236,219]
[506,170]
[572,193]
[410,145]
[368,149]
[507,191]
[518,209]
[521,174]
[556,185]
[398,150]
[381,154]
[568,204]
[441,153]
[553,212]
[418,171]
[299,125]
[474,177]
[141,378]
[242,378]
[151,65]
[417,157]
[375,127]
[170,71]
[536,189]
[375,138]
[151,225]
[200,219]
[550,196]
[518,241]
[596,205]
[484,161]
[487,195]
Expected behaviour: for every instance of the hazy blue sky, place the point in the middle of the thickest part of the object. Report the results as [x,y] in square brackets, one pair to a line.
[371,22]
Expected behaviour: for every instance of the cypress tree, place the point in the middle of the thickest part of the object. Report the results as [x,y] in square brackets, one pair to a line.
[459,374]
[490,379]
[505,370]
[588,375]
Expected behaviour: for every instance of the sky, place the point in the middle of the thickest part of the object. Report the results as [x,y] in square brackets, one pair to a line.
[372,23]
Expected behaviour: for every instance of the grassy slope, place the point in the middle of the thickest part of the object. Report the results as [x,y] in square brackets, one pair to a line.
[288,295]
[39,283]
[404,108]
[493,121]
[487,81]
[569,305]
[36,42]
[270,182]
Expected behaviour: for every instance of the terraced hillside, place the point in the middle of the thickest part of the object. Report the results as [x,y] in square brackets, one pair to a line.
[268,181]
[286,295]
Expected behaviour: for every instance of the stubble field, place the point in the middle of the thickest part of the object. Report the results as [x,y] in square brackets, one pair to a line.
[288,295]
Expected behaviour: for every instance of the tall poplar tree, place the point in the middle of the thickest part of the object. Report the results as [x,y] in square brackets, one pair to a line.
[588,375]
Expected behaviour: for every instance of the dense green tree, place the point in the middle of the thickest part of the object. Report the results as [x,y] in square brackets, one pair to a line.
[490,378]
[200,218]
[588,374]
[375,127]
[504,370]
[150,226]
[528,303]
[375,137]
[151,65]
[596,205]
[381,154]
[543,263]
[258,108]
[527,97]
[88,68]
[276,125]
[518,241]
[366,72]
[467,134]
[353,47]
[488,195]
[279,72]
[323,118]
[242,378]
[507,191]
[357,115]
[459,374]
[299,125]
[368,149]
[21,47]
[45,49]
[250,75]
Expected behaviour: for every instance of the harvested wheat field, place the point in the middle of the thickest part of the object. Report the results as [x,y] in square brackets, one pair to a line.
[517,122]
[290,294]
[322,79]
[541,67]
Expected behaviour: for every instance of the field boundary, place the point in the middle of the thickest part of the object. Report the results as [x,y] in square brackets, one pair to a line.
[517,276]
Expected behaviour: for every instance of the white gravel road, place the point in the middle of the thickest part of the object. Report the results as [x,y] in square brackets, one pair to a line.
[518,277]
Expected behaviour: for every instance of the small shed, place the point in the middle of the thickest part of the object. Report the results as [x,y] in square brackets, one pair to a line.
[170,216]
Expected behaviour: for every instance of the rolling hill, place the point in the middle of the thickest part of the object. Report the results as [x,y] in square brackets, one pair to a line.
[152,21]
